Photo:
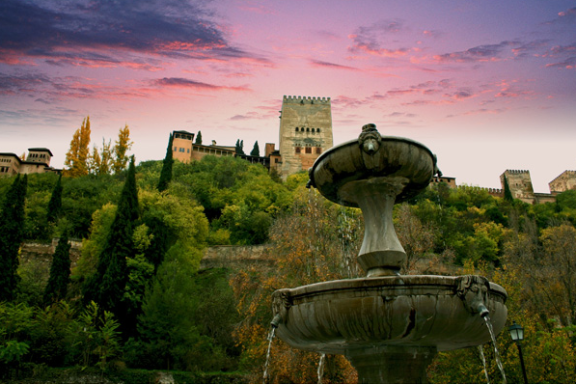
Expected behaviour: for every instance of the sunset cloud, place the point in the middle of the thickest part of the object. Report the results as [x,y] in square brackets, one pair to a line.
[104,33]
[180,82]
[324,64]
[481,53]
[376,39]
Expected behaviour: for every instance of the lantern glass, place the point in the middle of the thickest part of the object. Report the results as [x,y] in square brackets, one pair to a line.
[516,332]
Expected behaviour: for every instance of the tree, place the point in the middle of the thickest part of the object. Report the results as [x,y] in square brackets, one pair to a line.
[55,203]
[507,193]
[166,173]
[11,236]
[240,147]
[107,284]
[198,138]
[78,154]
[123,144]
[255,150]
[57,286]
[101,161]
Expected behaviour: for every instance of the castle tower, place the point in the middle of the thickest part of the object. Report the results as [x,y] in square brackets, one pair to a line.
[39,155]
[305,132]
[182,145]
[520,184]
[565,182]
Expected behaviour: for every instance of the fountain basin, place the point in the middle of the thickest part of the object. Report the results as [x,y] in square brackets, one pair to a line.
[348,316]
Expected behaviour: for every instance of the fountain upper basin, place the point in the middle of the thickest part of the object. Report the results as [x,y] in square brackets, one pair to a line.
[338,317]
[392,157]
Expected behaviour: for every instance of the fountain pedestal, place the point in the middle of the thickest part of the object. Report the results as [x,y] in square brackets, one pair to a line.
[389,326]
[392,364]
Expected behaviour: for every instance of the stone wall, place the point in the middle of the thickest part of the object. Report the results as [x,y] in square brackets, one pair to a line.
[42,253]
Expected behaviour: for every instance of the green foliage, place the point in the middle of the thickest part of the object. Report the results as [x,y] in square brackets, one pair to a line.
[57,286]
[166,173]
[108,282]
[55,203]
[15,325]
[198,138]
[11,236]
[51,337]
[97,339]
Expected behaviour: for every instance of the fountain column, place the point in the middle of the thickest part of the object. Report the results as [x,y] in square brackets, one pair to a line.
[381,253]
[392,364]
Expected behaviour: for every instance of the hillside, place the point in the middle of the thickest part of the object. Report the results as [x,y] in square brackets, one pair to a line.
[170,314]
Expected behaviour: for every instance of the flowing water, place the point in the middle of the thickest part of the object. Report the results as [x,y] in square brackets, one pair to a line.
[271,336]
[496,353]
[321,367]
[481,350]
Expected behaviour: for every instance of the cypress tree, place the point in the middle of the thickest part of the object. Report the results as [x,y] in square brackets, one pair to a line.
[166,174]
[198,138]
[106,286]
[57,286]
[55,204]
[11,236]
[507,193]
[255,150]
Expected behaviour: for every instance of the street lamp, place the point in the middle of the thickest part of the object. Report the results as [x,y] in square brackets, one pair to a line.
[517,334]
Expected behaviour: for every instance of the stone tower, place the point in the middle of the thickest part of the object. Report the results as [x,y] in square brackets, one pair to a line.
[520,184]
[305,132]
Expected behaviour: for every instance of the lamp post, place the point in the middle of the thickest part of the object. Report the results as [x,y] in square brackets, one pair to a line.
[517,334]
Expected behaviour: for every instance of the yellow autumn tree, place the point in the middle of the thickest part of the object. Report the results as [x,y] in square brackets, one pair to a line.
[100,161]
[78,155]
[123,144]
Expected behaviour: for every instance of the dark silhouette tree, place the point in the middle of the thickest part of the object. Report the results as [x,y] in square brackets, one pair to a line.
[507,193]
[57,286]
[198,138]
[255,150]
[11,236]
[55,203]
[166,173]
[106,286]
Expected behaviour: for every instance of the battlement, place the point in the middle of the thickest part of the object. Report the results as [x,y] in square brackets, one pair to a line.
[306,100]
[516,172]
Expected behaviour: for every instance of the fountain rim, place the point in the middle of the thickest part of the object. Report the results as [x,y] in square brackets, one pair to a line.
[393,283]
[355,141]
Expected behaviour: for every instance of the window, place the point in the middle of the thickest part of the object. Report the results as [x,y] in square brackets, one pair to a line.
[308,149]
[317,129]
[296,129]
[307,129]
[188,150]
[181,149]
[175,149]
[318,150]
[298,149]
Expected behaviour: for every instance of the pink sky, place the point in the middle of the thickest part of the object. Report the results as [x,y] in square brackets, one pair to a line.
[486,85]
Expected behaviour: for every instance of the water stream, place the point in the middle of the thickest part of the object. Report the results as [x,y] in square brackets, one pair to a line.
[271,336]
[496,353]
[321,367]
[481,350]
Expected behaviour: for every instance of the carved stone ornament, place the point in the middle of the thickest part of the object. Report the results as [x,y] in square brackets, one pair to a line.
[473,290]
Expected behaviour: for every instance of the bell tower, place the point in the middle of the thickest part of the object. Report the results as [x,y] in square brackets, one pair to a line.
[305,132]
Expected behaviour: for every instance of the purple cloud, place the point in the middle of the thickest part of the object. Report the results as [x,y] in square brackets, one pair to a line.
[109,33]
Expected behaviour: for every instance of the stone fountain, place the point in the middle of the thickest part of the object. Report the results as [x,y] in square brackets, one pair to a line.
[389,326]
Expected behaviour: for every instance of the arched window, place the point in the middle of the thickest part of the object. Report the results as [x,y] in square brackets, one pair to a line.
[307,129]
[318,130]
[296,129]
